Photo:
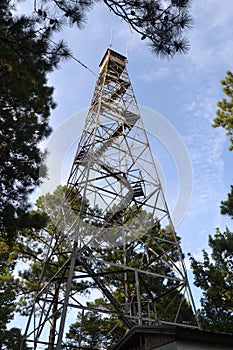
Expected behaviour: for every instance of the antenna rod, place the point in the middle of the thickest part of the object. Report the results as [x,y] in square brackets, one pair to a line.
[110,44]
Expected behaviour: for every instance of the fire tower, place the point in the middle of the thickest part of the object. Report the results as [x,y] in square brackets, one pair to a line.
[114,237]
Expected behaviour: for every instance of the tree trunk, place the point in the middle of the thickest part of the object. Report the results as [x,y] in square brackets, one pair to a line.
[52,332]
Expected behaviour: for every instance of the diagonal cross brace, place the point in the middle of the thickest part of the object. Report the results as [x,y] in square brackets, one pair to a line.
[106,292]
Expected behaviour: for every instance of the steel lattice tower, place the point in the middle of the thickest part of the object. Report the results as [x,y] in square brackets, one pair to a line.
[114,234]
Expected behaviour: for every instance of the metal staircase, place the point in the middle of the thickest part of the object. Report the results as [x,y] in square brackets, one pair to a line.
[113,203]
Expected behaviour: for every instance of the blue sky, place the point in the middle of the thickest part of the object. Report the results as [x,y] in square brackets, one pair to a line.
[183,90]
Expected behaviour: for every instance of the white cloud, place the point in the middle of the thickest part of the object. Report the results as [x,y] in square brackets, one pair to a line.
[191,80]
[155,75]
[212,34]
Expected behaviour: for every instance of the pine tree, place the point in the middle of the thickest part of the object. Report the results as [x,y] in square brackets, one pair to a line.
[33,245]
[26,57]
[224,114]
[92,329]
[7,286]
[227,206]
[97,330]
[10,338]
[162,23]
[214,275]
[28,54]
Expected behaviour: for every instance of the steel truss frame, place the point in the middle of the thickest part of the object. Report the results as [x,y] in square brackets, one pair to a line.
[113,203]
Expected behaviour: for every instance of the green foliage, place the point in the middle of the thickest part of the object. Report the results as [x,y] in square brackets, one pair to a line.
[33,244]
[162,23]
[224,115]
[7,285]
[104,330]
[97,328]
[9,338]
[227,206]
[214,275]
[26,57]
[97,331]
